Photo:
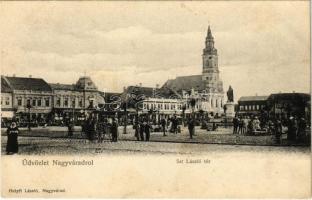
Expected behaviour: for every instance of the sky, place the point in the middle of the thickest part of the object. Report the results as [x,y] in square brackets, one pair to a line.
[264,47]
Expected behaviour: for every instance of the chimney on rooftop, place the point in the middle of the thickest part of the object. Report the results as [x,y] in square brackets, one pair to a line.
[157,86]
[14,75]
[30,76]
[140,84]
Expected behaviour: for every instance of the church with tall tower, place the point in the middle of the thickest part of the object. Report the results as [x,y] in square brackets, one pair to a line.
[210,66]
[207,87]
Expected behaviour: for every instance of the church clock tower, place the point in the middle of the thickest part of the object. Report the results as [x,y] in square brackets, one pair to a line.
[210,74]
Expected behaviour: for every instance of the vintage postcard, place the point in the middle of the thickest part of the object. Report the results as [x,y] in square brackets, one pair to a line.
[155,99]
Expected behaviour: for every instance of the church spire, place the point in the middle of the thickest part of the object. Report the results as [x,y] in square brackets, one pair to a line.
[209,47]
[209,35]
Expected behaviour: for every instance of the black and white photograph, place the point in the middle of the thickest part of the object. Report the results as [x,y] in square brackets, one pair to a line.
[213,94]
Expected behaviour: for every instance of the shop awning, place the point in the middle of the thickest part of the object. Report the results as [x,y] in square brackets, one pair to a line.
[7,114]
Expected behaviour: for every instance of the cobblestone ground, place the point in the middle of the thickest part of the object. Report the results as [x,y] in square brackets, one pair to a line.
[221,136]
[66,146]
[53,140]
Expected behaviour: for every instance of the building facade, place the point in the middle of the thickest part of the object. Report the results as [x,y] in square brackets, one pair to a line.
[74,100]
[252,105]
[280,104]
[290,104]
[7,110]
[206,88]
[31,97]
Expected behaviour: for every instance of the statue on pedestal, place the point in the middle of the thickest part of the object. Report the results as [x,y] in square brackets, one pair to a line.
[230,95]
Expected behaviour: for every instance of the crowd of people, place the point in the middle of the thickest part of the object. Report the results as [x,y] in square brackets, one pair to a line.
[295,127]
[95,129]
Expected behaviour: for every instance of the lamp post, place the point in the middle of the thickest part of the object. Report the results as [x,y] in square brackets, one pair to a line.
[28,107]
[183,113]
[193,103]
[126,114]
[74,102]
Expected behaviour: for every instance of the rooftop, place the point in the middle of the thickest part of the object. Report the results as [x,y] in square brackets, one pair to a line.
[5,86]
[22,83]
[186,83]
[58,86]
[253,98]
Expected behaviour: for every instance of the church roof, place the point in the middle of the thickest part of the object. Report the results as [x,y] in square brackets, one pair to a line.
[186,83]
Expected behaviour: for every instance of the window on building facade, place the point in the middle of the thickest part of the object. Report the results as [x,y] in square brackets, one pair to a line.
[91,103]
[211,103]
[39,102]
[47,102]
[58,102]
[257,107]
[28,102]
[66,102]
[74,103]
[80,103]
[19,102]
[250,107]
[253,107]
[144,105]
[147,107]
[7,101]
[34,102]
[216,103]
[241,107]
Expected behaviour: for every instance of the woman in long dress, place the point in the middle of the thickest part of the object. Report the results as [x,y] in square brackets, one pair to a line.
[12,144]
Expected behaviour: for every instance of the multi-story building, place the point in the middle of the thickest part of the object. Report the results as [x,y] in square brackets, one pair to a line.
[158,102]
[34,98]
[206,88]
[76,99]
[248,105]
[30,97]
[287,104]
[279,104]
[7,111]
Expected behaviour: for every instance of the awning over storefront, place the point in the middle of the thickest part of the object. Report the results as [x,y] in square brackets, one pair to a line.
[7,114]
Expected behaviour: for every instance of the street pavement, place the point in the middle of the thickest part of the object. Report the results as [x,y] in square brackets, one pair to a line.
[221,136]
[67,146]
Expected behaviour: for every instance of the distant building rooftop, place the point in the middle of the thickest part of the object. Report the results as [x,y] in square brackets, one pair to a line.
[253,98]
[22,83]
[5,86]
[186,83]
[58,86]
